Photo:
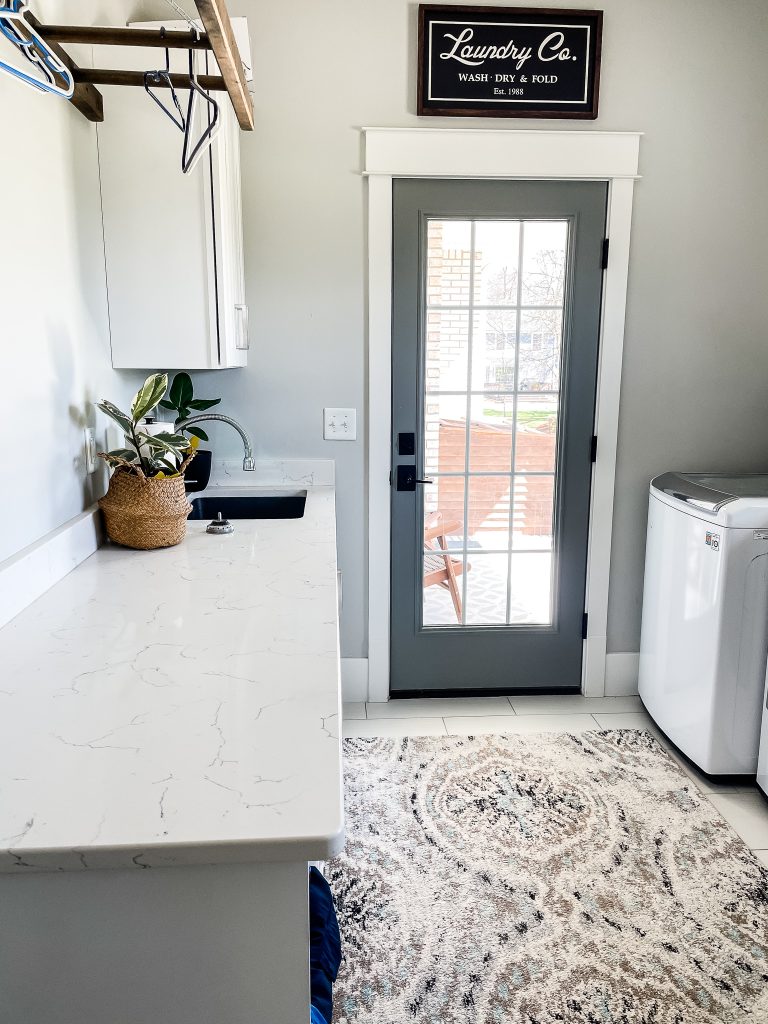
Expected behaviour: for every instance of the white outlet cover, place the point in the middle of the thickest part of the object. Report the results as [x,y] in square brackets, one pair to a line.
[340,424]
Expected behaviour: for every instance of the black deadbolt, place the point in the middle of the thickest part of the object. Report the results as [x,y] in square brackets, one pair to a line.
[406,444]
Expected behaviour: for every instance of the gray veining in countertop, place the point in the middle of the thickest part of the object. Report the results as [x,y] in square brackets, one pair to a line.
[179,706]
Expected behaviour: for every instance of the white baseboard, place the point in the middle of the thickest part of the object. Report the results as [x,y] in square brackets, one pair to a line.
[29,573]
[621,672]
[354,679]
[593,669]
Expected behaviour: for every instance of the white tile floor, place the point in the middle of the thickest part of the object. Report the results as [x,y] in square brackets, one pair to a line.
[743,807]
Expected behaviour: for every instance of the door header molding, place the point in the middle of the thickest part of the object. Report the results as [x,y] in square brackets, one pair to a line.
[488,153]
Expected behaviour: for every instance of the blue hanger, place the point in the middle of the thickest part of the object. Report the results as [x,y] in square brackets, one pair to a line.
[14,26]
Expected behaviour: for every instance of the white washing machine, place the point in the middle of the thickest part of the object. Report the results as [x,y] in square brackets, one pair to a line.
[705,616]
[762,760]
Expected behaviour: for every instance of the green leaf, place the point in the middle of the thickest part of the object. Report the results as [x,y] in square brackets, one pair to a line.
[181,390]
[201,404]
[174,391]
[175,440]
[177,444]
[129,454]
[120,417]
[197,433]
[148,395]
[165,404]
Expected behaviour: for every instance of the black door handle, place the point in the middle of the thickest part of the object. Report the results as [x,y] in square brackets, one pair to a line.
[407,479]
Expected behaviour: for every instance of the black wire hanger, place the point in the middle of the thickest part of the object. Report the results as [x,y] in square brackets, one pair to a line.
[160,78]
[192,153]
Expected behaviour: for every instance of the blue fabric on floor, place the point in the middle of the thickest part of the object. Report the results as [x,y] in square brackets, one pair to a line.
[324,944]
[315,1017]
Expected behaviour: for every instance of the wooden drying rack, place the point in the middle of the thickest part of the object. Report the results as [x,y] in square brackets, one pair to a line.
[218,37]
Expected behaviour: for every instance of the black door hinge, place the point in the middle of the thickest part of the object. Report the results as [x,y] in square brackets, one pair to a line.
[604,260]
[593,449]
[584,624]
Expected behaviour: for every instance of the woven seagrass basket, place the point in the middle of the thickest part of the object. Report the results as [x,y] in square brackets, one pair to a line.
[145,513]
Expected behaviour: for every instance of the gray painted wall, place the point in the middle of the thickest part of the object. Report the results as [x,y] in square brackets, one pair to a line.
[691,74]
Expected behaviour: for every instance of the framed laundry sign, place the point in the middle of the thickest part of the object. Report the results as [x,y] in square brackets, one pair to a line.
[508,61]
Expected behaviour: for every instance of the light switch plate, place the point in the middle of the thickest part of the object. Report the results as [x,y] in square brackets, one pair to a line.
[340,424]
[91,462]
[113,437]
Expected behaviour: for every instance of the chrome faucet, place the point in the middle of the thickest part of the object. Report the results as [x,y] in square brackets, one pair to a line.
[248,463]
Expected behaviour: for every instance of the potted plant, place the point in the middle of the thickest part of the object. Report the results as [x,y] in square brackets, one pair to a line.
[146,505]
[181,400]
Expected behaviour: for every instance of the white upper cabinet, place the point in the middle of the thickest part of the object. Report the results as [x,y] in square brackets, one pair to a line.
[173,242]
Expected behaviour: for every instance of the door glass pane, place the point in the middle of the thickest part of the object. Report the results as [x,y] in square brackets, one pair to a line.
[544,254]
[447,347]
[530,592]
[533,513]
[536,435]
[449,254]
[494,346]
[491,433]
[444,513]
[488,512]
[539,349]
[443,558]
[445,435]
[486,602]
[490,413]
[497,256]
[443,590]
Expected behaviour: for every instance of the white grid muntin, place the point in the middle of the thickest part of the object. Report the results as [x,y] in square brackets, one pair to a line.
[512,473]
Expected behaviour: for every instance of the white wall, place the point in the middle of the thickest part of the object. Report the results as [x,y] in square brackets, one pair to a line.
[691,74]
[54,335]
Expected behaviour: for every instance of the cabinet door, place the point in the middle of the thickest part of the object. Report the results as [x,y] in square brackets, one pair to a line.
[173,242]
[228,232]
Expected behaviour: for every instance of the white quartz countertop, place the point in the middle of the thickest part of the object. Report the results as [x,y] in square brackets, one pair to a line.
[179,706]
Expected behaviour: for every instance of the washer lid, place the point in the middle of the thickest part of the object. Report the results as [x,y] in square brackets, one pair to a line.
[710,492]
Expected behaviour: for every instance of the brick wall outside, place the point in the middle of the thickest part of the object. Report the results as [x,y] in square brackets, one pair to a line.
[448,284]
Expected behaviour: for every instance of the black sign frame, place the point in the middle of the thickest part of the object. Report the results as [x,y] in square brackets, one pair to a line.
[443,93]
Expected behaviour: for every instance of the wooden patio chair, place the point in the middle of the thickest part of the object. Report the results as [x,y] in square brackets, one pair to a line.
[440,569]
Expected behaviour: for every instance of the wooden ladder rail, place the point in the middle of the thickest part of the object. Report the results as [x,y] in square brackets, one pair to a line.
[215,19]
[87,99]
[218,36]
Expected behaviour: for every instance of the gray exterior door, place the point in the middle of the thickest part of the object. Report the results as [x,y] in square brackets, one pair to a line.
[496,314]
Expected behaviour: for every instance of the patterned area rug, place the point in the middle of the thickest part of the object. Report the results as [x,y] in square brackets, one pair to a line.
[539,879]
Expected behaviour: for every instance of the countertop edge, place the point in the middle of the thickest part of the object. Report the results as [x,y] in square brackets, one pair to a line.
[58,860]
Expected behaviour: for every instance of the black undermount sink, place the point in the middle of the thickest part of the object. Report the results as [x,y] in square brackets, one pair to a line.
[250,506]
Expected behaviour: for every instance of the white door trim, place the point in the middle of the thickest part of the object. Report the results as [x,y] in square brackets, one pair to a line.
[489,153]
